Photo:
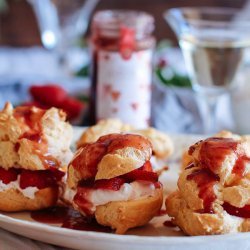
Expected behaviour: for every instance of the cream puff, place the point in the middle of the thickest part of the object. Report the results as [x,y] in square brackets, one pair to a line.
[34,146]
[112,180]
[213,195]
[161,142]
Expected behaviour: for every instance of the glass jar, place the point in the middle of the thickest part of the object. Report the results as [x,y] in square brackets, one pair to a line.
[122,49]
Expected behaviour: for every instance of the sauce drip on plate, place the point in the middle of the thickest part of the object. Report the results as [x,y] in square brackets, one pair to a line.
[68,218]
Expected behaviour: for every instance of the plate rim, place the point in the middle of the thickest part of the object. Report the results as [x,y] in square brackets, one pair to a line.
[137,239]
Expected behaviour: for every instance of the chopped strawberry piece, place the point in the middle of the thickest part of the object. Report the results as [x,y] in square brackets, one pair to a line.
[142,175]
[51,95]
[147,166]
[40,178]
[243,212]
[157,184]
[58,175]
[72,107]
[110,184]
[6,176]
[86,183]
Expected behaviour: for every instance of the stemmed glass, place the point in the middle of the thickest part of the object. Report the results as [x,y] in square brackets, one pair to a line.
[213,42]
[62,23]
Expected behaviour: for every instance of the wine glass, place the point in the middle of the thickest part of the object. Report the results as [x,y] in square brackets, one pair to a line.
[61,24]
[213,42]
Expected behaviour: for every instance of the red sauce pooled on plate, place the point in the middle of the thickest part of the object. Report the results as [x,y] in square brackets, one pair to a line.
[69,218]
[240,164]
[52,215]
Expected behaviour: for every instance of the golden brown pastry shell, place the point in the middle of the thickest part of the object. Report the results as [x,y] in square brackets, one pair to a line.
[12,200]
[123,215]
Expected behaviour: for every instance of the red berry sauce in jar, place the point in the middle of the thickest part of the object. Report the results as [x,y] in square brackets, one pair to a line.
[122,46]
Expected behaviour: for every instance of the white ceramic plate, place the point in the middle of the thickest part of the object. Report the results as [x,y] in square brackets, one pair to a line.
[152,236]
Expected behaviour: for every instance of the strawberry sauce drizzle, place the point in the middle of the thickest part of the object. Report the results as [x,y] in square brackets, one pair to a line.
[213,152]
[30,119]
[205,180]
[94,152]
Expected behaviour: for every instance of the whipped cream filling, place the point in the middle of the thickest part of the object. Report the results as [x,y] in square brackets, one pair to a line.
[132,191]
[28,192]
[128,191]
[68,195]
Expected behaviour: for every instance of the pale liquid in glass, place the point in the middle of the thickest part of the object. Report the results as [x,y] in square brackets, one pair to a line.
[213,61]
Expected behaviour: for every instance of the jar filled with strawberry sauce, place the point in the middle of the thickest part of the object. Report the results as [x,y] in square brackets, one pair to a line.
[122,49]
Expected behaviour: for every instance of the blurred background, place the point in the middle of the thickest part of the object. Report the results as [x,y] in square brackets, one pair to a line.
[46,42]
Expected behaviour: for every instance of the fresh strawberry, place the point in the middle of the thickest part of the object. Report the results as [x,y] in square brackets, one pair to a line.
[72,107]
[110,184]
[51,95]
[6,176]
[142,175]
[30,178]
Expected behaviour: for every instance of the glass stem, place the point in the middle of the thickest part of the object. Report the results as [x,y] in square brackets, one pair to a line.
[209,118]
